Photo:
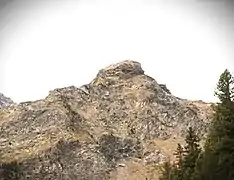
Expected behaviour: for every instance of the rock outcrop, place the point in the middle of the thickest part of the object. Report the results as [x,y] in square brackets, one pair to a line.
[119,126]
[5,101]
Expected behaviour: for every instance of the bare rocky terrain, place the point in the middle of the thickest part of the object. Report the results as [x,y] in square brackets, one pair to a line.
[5,101]
[120,126]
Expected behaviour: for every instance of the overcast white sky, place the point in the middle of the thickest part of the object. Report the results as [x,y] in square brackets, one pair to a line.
[51,44]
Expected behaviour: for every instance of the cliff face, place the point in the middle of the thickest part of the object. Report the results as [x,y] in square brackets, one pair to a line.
[119,126]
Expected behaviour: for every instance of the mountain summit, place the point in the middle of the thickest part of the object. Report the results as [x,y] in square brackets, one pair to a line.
[119,126]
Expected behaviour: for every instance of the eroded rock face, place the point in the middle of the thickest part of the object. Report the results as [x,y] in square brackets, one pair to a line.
[121,119]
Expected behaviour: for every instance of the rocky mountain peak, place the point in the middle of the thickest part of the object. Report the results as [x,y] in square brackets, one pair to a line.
[124,69]
[122,122]
[5,101]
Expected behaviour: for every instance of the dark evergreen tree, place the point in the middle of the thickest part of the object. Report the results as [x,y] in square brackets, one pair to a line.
[191,154]
[186,159]
[225,90]
[218,158]
[177,171]
[179,155]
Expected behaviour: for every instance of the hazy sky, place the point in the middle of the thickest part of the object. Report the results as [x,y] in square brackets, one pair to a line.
[48,44]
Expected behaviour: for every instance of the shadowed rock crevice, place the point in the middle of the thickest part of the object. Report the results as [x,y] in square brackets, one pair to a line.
[115,148]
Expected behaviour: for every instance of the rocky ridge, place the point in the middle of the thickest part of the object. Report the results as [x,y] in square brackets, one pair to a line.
[119,126]
[5,101]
